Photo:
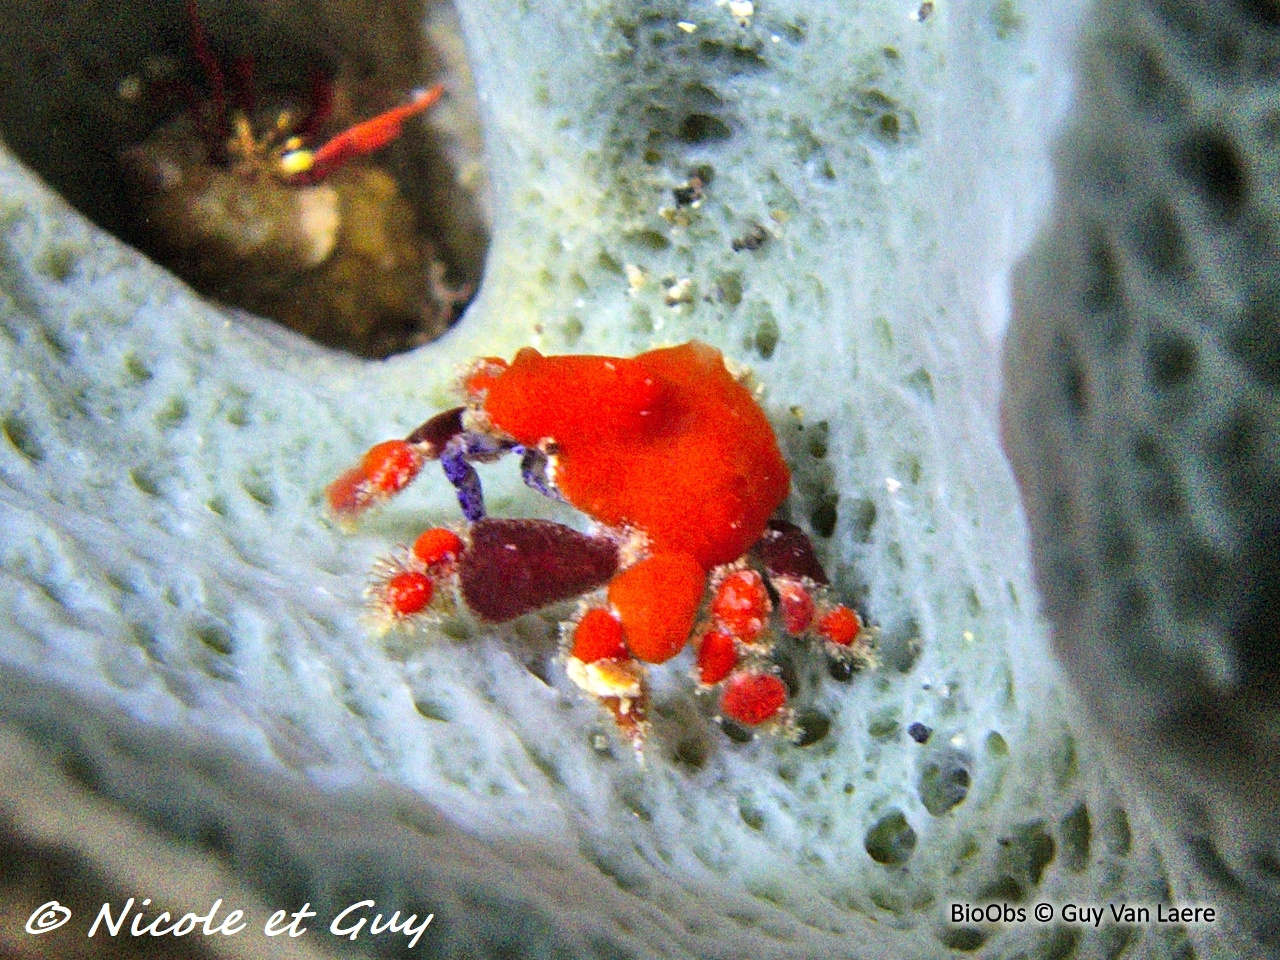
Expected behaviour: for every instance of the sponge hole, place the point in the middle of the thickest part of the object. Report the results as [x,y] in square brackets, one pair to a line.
[1215,168]
[167,129]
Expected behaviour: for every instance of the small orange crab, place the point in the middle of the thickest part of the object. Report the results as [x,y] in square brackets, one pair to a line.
[671,457]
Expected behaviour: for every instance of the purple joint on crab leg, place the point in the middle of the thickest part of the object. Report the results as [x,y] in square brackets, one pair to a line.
[466,481]
[433,436]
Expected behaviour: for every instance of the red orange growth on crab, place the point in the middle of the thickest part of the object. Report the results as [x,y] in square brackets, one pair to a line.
[678,468]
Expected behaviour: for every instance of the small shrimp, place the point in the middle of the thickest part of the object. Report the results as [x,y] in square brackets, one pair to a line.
[305,166]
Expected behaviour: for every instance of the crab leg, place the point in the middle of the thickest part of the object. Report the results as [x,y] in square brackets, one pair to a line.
[445,438]
[533,469]
[212,71]
[435,434]
[465,481]
[360,139]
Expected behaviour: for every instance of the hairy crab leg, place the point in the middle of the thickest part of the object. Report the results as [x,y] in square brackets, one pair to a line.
[456,461]
[446,438]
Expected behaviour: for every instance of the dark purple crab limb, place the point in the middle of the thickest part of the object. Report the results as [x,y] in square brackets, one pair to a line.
[465,481]
[430,438]
[786,551]
[445,438]
[533,470]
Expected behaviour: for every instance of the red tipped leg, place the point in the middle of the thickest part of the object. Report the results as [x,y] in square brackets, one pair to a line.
[753,697]
[601,666]
[385,470]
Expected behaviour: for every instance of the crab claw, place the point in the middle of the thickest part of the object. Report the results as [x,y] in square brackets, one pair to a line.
[390,466]
[513,567]
[306,167]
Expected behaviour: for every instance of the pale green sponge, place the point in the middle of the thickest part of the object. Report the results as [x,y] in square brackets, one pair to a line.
[1143,415]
